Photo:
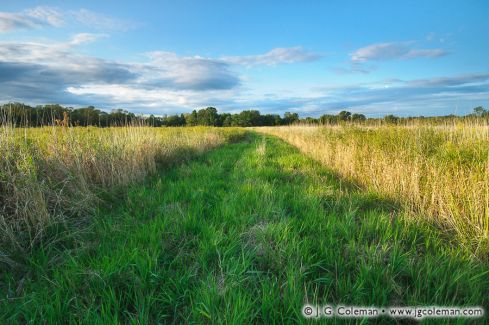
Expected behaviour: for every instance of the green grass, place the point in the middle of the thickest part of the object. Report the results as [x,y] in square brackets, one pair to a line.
[246,233]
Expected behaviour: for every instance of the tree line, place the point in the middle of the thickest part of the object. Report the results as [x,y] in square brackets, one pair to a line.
[24,115]
[53,114]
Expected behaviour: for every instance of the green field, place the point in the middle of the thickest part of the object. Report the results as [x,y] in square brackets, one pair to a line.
[246,233]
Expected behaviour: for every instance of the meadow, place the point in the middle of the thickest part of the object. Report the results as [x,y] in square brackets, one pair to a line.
[438,173]
[52,178]
[233,225]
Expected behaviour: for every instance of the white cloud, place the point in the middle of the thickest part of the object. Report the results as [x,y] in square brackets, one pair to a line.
[134,96]
[451,81]
[55,72]
[48,53]
[390,51]
[42,71]
[427,53]
[193,72]
[42,16]
[274,57]
[86,38]
[166,82]
[51,16]
[31,18]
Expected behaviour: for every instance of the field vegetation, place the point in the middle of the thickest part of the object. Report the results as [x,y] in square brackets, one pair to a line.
[52,178]
[139,224]
[438,173]
[244,234]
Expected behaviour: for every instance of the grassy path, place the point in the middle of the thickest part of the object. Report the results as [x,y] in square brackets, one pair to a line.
[246,233]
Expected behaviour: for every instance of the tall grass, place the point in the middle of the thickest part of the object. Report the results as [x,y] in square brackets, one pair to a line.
[439,173]
[53,176]
[245,235]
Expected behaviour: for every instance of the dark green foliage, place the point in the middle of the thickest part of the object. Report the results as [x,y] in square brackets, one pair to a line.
[24,115]
[358,117]
[290,118]
[173,120]
[480,111]
[391,119]
[248,118]
[344,116]
[208,117]
[328,119]
[191,119]
[42,115]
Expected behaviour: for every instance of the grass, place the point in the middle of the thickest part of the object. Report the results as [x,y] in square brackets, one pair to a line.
[52,178]
[246,233]
[439,173]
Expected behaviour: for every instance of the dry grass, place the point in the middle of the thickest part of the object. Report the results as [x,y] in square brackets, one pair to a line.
[52,175]
[437,172]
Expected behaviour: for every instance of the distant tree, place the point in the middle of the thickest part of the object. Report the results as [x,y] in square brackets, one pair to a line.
[17,114]
[227,119]
[174,120]
[277,120]
[328,119]
[358,117]
[85,116]
[344,116]
[271,120]
[249,118]
[191,119]
[391,119]
[309,120]
[290,118]
[48,114]
[208,116]
[480,111]
[120,117]
[155,121]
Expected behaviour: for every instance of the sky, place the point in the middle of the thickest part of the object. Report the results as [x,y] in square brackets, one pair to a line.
[311,57]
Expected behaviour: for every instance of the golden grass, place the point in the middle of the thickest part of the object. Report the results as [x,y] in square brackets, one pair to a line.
[52,175]
[439,173]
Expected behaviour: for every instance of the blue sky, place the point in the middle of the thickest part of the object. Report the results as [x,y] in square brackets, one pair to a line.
[311,57]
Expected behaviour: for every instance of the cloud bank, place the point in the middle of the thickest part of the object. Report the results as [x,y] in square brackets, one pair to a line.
[166,82]
[56,72]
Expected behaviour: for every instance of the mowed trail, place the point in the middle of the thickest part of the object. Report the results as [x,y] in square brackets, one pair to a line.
[244,234]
